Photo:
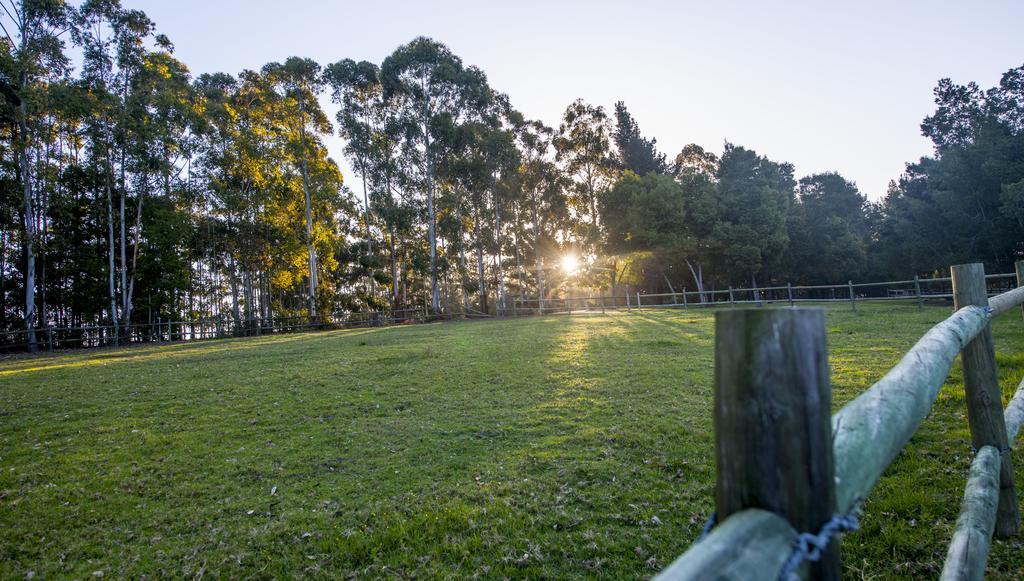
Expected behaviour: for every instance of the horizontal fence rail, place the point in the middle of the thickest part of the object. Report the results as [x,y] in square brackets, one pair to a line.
[761,536]
[107,335]
[917,290]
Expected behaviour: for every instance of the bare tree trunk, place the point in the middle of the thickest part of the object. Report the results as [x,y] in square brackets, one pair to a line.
[698,279]
[500,271]
[537,253]
[235,308]
[394,268]
[482,291]
[313,283]
[462,262]
[435,299]
[129,306]
[111,274]
[250,299]
[520,271]
[28,219]
[671,289]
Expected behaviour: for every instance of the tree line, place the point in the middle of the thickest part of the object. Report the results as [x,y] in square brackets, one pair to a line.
[133,190]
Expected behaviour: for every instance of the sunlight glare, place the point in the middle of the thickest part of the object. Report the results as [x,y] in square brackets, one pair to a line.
[570,263]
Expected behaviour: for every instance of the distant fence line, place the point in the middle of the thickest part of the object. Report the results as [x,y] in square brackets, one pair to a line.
[159,331]
[915,289]
[791,476]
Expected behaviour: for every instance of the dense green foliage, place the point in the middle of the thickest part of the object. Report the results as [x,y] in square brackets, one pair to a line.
[553,447]
[132,191]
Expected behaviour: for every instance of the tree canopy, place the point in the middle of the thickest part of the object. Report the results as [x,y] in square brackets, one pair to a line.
[133,191]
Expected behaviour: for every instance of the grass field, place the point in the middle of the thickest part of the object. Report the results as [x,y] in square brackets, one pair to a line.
[553,447]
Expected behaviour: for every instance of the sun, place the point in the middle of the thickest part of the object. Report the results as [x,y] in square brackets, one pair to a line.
[570,263]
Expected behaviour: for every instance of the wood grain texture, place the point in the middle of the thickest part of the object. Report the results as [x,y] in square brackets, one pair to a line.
[870,431]
[773,447]
[1015,414]
[972,538]
[750,544]
[981,386]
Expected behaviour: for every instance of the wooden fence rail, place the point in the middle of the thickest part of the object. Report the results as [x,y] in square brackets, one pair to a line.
[916,289]
[780,479]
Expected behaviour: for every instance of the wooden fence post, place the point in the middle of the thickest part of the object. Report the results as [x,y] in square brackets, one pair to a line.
[638,299]
[789,292]
[1019,267]
[984,402]
[684,298]
[772,413]
[917,291]
[732,301]
[853,299]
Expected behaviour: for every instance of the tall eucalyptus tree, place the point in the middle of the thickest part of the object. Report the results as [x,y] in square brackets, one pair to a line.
[33,31]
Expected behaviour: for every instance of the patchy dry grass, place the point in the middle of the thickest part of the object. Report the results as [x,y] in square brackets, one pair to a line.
[551,447]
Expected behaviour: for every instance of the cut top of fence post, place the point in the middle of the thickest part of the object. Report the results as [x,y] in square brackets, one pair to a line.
[772,412]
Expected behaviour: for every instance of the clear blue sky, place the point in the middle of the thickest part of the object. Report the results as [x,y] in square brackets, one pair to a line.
[825,85]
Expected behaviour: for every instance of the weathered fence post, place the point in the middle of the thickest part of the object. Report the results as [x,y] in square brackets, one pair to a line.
[628,308]
[917,292]
[789,292]
[853,299]
[772,413]
[638,299]
[981,384]
[1019,267]
[684,298]
[732,301]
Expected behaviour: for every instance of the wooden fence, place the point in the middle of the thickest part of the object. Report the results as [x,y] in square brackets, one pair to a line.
[916,290]
[790,477]
[160,331]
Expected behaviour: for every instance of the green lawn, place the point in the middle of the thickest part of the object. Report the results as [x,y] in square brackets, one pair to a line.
[546,447]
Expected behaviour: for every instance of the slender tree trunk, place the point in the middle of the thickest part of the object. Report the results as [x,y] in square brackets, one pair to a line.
[499,268]
[313,283]
[671,289]
[366,218]
[123,240]
[435,299]
[520,271]
[111,272]
[29,223]
[462,261]
[538,257]
[42,227]
[3,275]
[128,304]
[250,299]
[235,308]
[394,268]
[698,279]
[366,210]
[480,262]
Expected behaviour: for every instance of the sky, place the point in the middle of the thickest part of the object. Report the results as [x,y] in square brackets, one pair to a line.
[825,85]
